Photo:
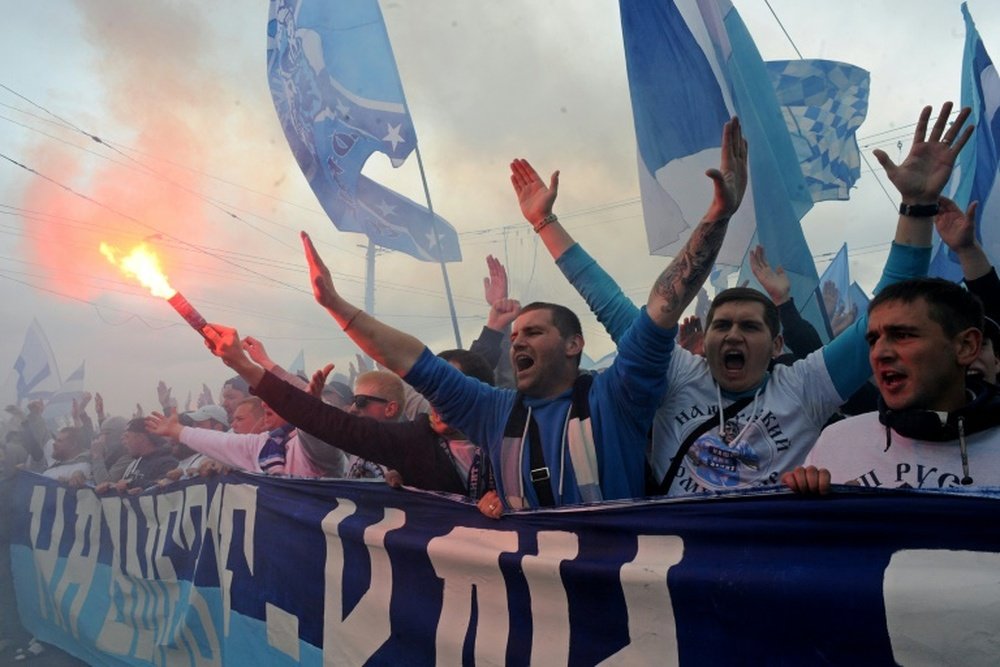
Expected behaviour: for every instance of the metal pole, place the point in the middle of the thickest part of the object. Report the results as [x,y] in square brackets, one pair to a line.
[437,242]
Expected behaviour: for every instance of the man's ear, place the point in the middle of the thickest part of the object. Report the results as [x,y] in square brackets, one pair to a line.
[967,346]
[392,409]
[777,345]
[574,345]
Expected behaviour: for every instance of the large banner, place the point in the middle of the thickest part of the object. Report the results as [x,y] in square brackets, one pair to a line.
[248,570]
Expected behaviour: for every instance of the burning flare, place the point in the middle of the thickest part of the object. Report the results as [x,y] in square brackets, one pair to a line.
[142,264]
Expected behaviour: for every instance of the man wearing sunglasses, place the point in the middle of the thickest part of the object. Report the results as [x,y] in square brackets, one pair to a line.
[378,395]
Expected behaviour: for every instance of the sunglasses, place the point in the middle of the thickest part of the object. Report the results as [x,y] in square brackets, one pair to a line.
[361,400]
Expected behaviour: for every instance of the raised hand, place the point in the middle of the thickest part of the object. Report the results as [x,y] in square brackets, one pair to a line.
[730,178]
[534,197]
[495,284]
[502,313]
[926,169]
[956,229]
[139,412]
[163,394]
[831,297]
[691,335]
[843,318]
[160,424]
[99,407]
[319,276]
[318,381]
[256,350]
[774,281]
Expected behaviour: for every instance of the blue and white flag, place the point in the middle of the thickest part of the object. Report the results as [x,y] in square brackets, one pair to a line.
[35,367]
[339,98]
[398,223]
[691,65]
[859,297]
[824,103]
[59,409]
[833,296]
[975,174]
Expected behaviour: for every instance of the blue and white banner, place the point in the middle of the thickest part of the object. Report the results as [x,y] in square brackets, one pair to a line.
[250,570]
[975,174]
[339,98]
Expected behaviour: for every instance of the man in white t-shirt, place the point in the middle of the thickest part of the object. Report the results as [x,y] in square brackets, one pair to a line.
[935,427]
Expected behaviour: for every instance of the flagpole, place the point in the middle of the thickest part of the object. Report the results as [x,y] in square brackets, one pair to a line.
[370,278]
[437,244]
[430,207]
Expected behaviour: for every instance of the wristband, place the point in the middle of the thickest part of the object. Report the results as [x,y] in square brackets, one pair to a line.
[547,220]
[919,210]
[350,320]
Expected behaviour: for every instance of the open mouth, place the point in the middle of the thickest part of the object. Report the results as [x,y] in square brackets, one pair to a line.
[523,362]
[733,360]
[891,379]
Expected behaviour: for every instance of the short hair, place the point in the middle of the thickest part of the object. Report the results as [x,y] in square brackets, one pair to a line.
[949,304]
[256,405]
[470,363]
[771,317]
[388,384]
[237,383]
[138,425]
[564,319]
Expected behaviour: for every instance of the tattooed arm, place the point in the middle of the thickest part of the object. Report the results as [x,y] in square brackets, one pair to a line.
[679,283]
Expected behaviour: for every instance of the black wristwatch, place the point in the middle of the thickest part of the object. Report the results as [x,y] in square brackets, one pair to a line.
[919,210]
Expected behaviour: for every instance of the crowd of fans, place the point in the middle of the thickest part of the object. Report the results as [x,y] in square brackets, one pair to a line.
[748,398]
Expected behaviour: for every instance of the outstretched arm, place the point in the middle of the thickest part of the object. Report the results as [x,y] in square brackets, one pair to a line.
[679,283]
[390,347]
[919,180]
[922,175]
[536,201]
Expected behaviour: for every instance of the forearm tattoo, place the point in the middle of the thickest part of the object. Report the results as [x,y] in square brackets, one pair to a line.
[680,281]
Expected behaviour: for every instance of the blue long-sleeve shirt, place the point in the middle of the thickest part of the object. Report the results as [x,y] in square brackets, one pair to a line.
[622,402]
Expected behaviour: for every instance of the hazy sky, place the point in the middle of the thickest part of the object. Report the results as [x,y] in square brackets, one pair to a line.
[190,149]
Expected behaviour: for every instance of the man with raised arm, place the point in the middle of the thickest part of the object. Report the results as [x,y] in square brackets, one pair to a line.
[726,421]
[562,437]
